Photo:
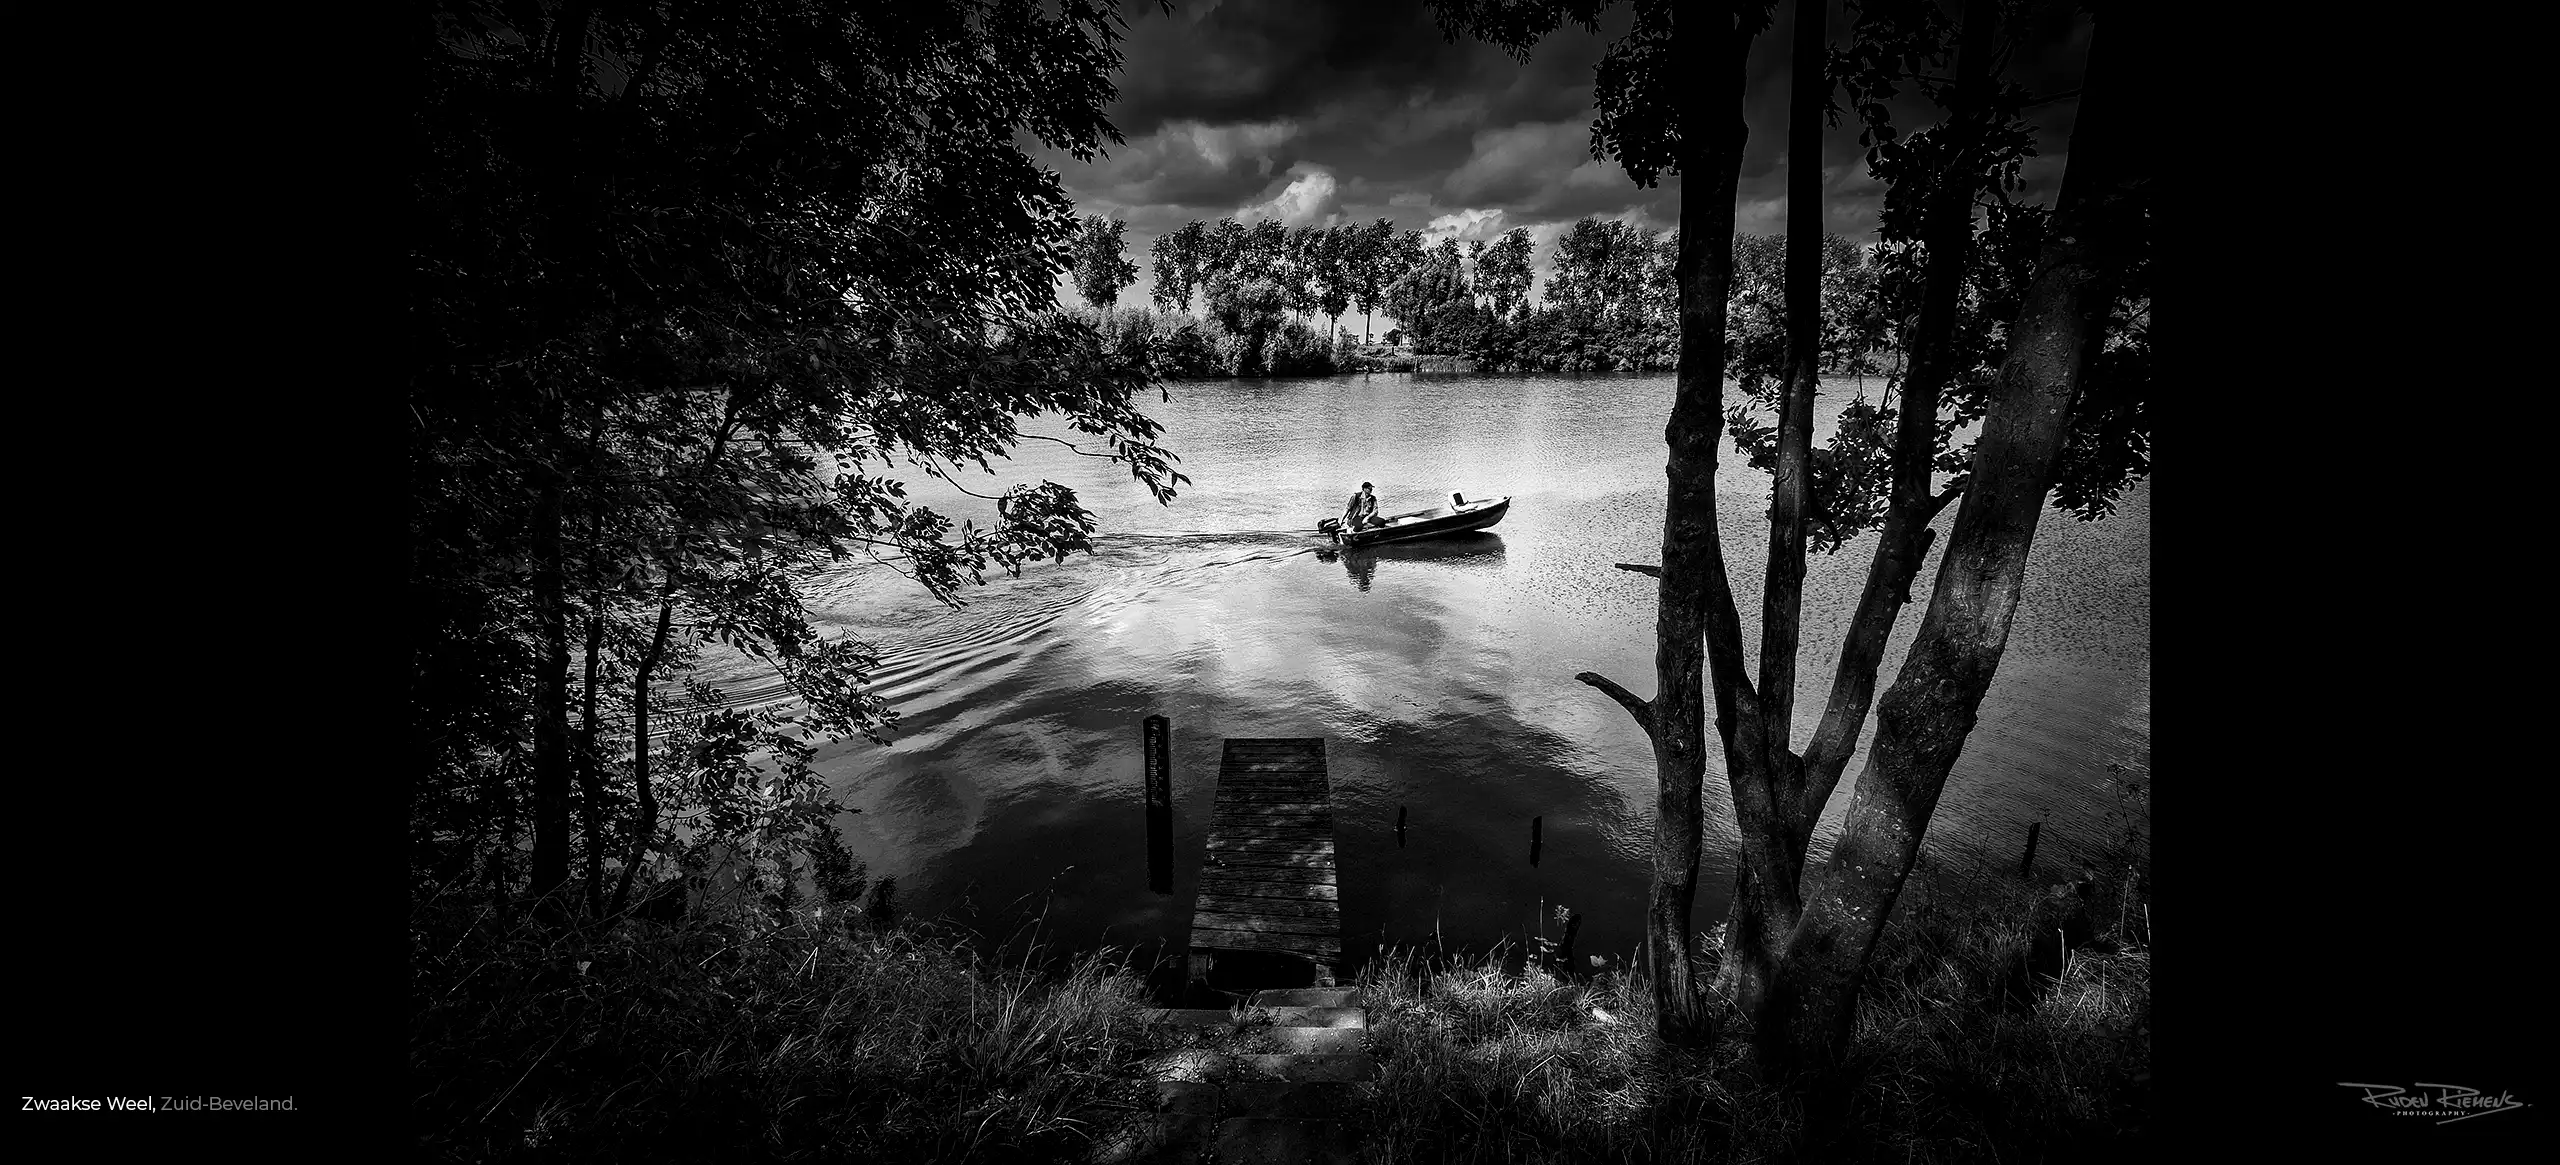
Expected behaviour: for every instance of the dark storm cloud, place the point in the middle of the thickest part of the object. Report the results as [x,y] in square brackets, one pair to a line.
[1335,112]
[1239,60]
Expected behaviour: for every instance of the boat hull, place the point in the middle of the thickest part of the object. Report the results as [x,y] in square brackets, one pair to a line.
[1429,524]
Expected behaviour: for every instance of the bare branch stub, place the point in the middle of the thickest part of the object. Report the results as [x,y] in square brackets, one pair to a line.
[1640,568]
[1636,706]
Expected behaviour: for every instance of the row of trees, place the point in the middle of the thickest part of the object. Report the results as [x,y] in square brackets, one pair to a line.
[1610,305]
[2033,323]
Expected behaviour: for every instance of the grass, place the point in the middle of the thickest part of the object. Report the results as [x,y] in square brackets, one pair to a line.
[1967,1049]
[713,1041]
[824,1037]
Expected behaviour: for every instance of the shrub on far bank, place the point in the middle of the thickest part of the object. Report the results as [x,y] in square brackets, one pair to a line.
[1181,346]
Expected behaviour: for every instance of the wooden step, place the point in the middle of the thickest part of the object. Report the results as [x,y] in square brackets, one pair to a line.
[1322,1041]
[1307,997]
[1319,1017]
[1324,947]
[1210,1017]
[1305,1067]
[1263,923]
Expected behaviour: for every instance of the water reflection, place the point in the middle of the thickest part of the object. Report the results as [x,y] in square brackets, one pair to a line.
[1474,548]
[1004,797]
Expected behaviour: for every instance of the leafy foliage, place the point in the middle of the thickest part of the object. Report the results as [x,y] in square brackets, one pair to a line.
[1503,273]
[1639,90]
[1100,271]
[1870,308]
[695,290]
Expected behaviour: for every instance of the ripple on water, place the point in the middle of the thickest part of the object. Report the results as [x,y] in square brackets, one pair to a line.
[1440,674]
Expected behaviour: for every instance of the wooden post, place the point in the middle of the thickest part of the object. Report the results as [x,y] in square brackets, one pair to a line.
[1158,733]
[1564,950]
[2026,865]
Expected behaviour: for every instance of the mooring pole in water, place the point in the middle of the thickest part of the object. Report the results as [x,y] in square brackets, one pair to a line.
[2026,865]
[1399,827]
[1564,950]
[1158,734]
[1537,838]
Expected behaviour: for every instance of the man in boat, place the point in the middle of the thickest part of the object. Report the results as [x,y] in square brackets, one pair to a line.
[1362,512]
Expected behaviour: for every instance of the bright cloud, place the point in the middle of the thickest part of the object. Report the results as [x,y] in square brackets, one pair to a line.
[1310,199]
[1221,144]
[1466,226]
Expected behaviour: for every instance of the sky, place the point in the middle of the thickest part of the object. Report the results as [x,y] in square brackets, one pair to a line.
[1319,112]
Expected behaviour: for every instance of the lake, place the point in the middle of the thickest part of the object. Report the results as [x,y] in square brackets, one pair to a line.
[1440,673]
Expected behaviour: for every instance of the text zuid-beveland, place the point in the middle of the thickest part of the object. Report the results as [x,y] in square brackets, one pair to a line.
[155,1104]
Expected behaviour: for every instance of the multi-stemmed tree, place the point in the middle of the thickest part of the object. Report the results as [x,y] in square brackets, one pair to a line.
[1669,98]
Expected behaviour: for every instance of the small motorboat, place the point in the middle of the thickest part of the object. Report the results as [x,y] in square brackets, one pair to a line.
[1459,516]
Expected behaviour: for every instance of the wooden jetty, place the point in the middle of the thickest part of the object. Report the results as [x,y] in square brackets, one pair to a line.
[1267,884]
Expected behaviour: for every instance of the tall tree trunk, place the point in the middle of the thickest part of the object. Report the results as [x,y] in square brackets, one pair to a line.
[551,761]
[645,830]
[591,782]
[1779,796]
[1923,720]
[1765,907]
[564,235]
[646,827]
[1695,600]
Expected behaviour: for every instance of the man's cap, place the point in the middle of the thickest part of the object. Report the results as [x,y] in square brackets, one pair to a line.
[1366,485]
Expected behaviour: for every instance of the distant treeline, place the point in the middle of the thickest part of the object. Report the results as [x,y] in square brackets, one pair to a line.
[1261,299]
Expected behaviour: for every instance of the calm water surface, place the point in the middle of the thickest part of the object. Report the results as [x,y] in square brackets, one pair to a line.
[1440,673]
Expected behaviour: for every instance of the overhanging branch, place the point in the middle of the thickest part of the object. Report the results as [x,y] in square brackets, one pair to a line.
[1071,447]
[1637,707]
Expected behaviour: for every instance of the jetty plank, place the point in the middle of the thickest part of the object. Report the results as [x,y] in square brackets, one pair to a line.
[1317,908]
[1242,813]
[1268,827]
[1243,848]
[1268,875]
[1268,892]
[1250,859]
[1322,947]
[1264,923]
[1267,880]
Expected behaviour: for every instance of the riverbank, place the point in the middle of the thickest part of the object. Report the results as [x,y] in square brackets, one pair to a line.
[827,1031]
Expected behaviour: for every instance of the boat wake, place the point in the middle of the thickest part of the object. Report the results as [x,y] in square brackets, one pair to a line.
[967,656]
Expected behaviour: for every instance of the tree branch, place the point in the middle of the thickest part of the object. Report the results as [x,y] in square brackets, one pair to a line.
[946,475]
[1071,446]
[1955,489]
[1641,568]
[1637,707]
